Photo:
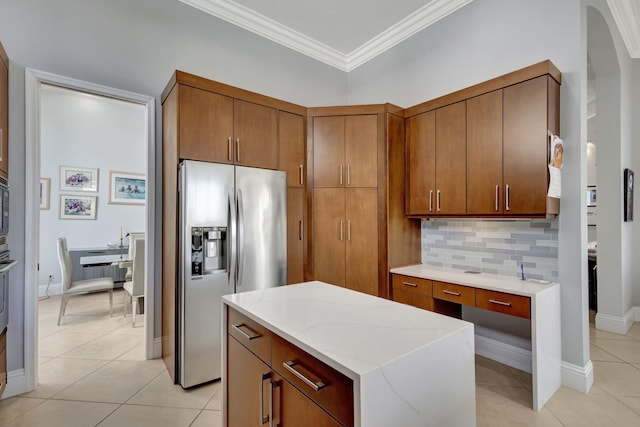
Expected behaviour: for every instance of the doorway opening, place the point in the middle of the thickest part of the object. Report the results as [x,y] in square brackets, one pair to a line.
[36,83]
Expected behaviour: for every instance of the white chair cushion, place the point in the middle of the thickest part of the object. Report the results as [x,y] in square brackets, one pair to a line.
[89,285]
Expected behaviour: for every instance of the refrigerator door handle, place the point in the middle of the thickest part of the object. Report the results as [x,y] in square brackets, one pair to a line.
[231,259]
[240,229]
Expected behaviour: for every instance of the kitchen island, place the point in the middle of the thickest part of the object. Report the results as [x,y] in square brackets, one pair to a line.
[317,354]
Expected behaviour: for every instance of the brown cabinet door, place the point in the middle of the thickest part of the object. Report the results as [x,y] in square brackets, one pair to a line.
[525,147]
[206,125]
[291,408]
[328,151]
[362,240]
[295,235]
[484,154]
[451,163]
[255,129]
[329,234]
[292,153]
[4,120]
[361,154]
[421,164]
[248,387]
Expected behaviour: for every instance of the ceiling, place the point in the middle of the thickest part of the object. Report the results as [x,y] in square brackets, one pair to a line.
[347,33]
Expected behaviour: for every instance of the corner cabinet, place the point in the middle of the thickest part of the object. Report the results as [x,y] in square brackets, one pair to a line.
[495,148]
[4,114]
[209,121]
[357,185]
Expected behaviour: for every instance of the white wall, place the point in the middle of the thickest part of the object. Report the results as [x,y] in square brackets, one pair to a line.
[82,130]
[483,40]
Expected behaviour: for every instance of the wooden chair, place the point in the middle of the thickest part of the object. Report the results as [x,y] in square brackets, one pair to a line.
[70,288]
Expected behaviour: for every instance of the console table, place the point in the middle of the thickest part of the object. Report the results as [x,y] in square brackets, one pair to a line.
[97,269]
[445,291]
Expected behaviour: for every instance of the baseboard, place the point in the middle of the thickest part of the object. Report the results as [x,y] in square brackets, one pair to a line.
[506,354]
[157,347]
[617,325]
[54,289]
[578,378]
[16,384]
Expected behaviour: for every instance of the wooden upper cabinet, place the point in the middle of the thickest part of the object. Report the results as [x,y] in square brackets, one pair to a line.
[4,114]
[292,148]
[361,154]
[451,164]
[328,151]
[485,190]
[525,125]
[420,154]
[345,151]
[206,125]
[256,135]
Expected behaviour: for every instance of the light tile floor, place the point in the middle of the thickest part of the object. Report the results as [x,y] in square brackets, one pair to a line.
[93,373]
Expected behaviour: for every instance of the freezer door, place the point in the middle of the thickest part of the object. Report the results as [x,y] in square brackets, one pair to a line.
[205,206]
[262,228]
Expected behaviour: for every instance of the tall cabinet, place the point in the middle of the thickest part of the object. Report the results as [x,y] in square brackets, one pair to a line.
[210,121]
[358,227]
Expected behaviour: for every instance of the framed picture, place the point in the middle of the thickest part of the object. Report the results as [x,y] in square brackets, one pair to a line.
[45,193]
[73,206]
[127,188]
[628,195]
[591,196]
[78,179]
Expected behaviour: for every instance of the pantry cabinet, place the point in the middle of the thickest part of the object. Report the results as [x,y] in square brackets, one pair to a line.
[295,235]
[357,203]
[436,162]
[4,114]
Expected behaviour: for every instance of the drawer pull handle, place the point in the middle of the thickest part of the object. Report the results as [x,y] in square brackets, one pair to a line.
[264,418]
[413,285]
[506,304]
[253,335]
[446,291]
[317,386]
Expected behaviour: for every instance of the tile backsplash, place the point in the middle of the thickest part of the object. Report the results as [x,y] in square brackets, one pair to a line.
[493,246]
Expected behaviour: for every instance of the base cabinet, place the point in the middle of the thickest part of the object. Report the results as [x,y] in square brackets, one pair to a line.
[261,391]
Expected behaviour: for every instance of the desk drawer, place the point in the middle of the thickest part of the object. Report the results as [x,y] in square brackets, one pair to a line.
[514,305]
[412,284]
[413,298]
[250,334]
[331,390]
[454,293]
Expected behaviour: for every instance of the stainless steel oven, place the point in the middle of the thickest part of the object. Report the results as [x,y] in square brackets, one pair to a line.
[4,215]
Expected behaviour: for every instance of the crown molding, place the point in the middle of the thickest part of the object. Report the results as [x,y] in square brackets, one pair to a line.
[624,13]
[261,25]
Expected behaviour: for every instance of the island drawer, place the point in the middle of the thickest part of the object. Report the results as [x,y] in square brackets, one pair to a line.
[327,387]
[501,302]
[412,284]
[250,333]
[454,293]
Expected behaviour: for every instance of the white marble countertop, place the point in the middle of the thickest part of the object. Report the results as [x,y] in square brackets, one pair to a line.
[492,282]
[352,332]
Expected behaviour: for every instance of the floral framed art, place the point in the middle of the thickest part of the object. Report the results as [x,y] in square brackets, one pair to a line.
[78,179]
[73,206]
[45,193]
[127,188]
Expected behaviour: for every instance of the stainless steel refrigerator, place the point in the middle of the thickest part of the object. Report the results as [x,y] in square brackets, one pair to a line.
[232,238]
